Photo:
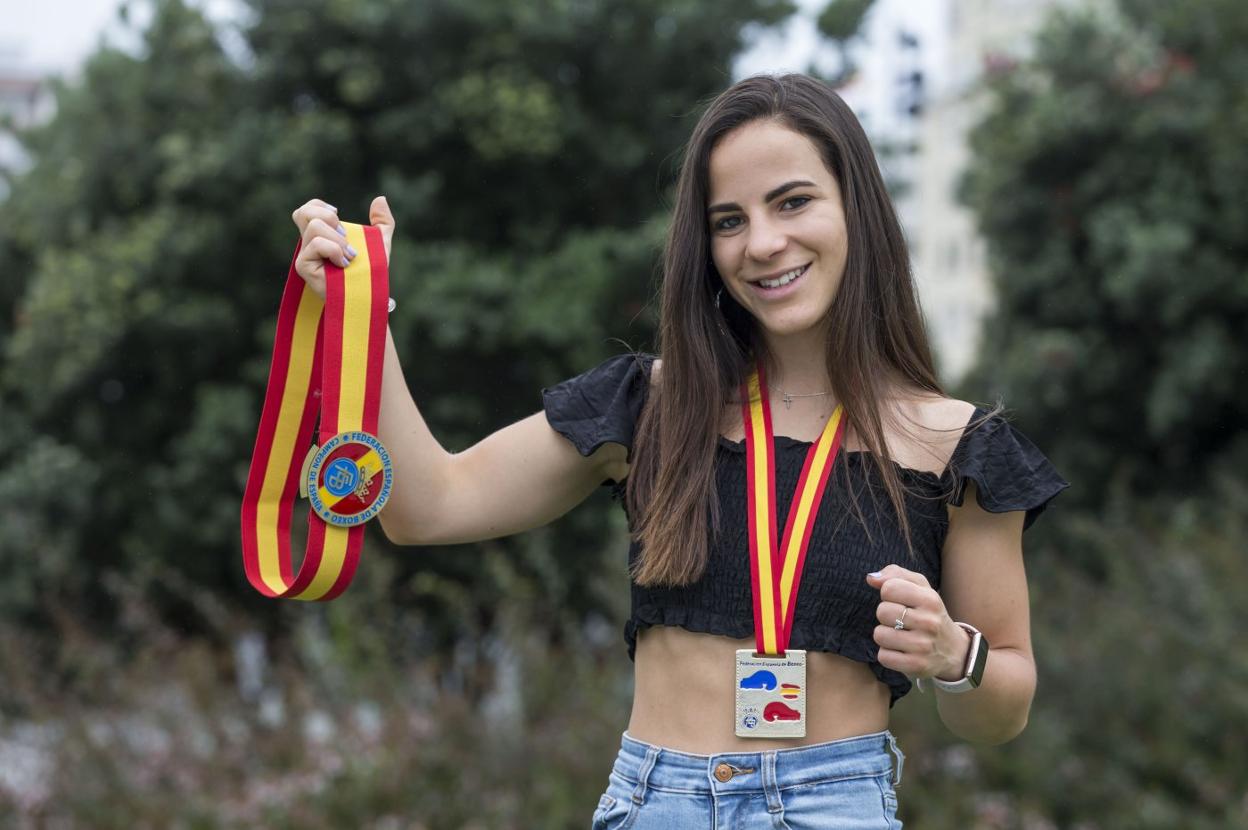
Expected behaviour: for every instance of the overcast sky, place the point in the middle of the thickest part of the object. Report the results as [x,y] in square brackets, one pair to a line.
[55,35]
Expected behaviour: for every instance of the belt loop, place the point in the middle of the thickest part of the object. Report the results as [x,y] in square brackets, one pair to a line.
[643,774]
[901,758]
[771,786]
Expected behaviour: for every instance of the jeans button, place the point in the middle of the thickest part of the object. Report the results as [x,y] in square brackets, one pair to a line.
[723,772]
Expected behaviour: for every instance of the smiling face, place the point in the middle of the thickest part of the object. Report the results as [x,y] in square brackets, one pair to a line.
[774,211]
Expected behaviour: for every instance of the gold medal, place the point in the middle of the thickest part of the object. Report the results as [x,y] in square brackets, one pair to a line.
[328,356]
[349,479]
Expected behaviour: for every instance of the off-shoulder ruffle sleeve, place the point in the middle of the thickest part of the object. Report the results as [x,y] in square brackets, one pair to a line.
[1010,473]
[601,405]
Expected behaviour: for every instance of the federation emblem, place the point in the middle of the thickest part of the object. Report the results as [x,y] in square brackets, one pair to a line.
[348,480]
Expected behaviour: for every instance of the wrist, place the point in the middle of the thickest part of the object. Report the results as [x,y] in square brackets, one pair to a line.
[976,662]
[956,668]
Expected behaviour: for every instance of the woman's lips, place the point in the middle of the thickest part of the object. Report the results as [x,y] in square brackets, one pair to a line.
[781,292]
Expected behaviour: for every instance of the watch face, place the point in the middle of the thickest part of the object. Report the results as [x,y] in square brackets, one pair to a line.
[978,660]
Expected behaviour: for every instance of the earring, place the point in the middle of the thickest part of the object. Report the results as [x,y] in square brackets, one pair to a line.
[719,321]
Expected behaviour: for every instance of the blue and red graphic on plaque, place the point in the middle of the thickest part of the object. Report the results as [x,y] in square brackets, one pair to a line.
[766,681]
[761,679]
[778,711]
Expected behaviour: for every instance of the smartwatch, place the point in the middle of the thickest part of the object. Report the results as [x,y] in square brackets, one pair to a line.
[976,659]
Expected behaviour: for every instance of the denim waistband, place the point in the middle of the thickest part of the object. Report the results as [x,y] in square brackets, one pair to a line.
[648,765]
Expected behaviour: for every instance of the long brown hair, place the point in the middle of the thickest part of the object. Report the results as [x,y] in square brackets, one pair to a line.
[876,345]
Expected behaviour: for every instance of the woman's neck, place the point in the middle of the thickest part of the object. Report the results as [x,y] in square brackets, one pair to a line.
[797,363]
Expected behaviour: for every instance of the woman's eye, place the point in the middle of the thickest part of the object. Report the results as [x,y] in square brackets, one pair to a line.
[723,224]
[801,200]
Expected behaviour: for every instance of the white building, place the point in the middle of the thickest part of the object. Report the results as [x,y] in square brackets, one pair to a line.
[947,251]
[25,100]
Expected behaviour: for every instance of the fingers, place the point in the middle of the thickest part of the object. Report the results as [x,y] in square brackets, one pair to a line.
[379,216]
[897,572]
[905,650]
[922,653]
[334,233]
[916,619]
[310,264]
[314,209]
[905,588]
[907,593]
[919,649]
[322,237]
[323,247]
[321,241]
[904,662]
[379,213]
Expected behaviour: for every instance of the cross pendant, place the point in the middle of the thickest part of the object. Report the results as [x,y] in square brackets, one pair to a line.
[788,401]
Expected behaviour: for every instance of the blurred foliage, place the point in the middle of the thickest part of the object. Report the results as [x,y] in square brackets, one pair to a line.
[143,683]
[333,729]
[525,149]
[1137,723]
[1106,186]
[841,23]
[1107,182]
[1139,715]
[841,20]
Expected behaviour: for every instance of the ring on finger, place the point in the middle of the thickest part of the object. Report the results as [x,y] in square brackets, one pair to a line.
[900,622]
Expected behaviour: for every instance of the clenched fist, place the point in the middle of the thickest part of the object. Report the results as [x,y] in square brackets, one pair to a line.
[322,238]
[931,644]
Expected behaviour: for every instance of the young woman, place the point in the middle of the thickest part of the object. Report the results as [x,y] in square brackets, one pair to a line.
[769,648]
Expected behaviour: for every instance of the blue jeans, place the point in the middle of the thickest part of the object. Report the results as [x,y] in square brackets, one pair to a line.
[846,784]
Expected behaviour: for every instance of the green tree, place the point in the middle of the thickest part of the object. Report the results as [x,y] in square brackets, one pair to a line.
[525,149]
[841,23]
[1107,185]
[1105,182]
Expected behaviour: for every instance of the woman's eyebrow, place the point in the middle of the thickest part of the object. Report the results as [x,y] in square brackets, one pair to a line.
[727,207]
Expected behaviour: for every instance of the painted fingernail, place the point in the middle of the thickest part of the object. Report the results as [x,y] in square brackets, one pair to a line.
[351,252]
[875,575]
[341,230]
[343,262]
[331,207]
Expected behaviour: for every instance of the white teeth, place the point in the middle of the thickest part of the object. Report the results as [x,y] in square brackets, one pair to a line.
[784,279]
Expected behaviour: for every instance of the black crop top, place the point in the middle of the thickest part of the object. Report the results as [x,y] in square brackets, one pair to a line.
[835,605]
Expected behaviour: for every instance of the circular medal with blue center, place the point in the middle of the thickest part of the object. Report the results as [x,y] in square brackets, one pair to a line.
[349,479]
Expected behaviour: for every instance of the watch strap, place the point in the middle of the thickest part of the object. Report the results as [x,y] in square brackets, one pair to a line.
[973,671]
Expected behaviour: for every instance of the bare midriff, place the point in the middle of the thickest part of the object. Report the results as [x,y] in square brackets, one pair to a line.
[684,695]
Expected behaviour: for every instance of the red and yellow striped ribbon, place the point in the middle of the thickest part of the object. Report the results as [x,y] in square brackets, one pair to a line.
[327,357]
[776,571]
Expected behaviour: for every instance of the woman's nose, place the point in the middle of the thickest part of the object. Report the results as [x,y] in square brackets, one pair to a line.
[765,240]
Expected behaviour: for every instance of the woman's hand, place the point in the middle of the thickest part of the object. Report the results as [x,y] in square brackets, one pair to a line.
[932,644]
[321,238]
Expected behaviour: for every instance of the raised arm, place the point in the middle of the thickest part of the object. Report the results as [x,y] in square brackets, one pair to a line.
[522,476]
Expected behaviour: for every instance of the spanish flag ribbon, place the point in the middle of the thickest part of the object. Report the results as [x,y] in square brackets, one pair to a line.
[776,571]
[327,360]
